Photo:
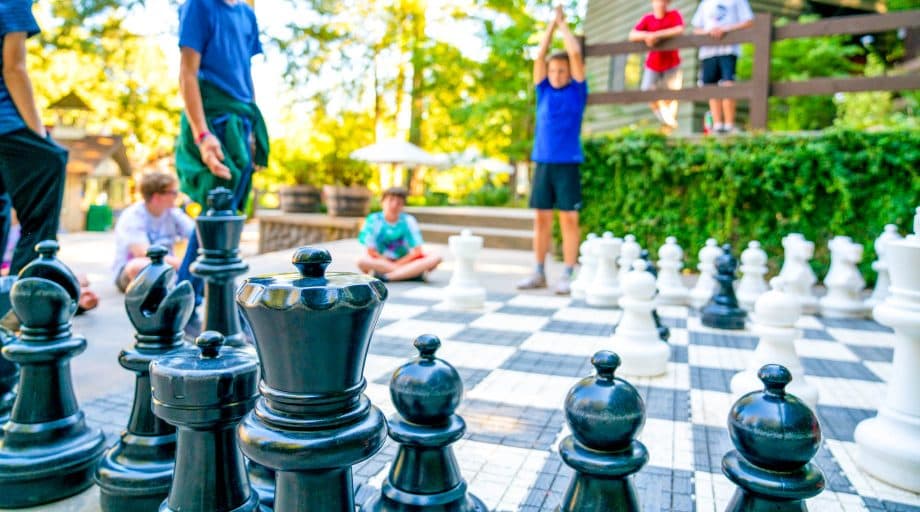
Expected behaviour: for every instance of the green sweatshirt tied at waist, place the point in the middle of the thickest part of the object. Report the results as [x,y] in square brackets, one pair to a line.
[194,176]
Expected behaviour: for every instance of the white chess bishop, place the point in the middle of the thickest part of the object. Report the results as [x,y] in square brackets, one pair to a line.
[880,266]
[706,284]
[636,338]
[604,290]
[773,320]
[796,272]
[464,291]
[844,283]
[753,269]
[889,444]
[629,253]
[588,260]
[671,289]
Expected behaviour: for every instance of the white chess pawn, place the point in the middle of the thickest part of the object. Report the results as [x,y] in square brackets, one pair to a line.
[880,266]
[773,320]
[888,443]
[464,291]
[629,253]
[706,285]
[671,289]
[796,272]
[605,290]
[844,283]
[636,338]
[753,269]
[588,260]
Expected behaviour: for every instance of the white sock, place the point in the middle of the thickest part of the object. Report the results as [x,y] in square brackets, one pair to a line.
[718,126]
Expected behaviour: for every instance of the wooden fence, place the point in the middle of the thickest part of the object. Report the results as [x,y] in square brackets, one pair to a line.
[759,89]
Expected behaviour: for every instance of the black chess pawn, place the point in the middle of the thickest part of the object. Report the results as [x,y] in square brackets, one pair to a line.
[9,372]
[723,311]
[136,473]
[605,413]
[425,475]
[47,453]
[663,332]
[204,393]
[312,422]
[775,435]
[219,263]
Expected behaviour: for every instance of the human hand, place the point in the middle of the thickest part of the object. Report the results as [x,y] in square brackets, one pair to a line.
[717,33]
[560,16]
[651,40]
[212,156]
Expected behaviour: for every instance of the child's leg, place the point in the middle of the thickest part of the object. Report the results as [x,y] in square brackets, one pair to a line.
[414,268]
[369,264]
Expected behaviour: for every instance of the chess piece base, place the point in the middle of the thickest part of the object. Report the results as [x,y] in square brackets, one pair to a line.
[251,505]
[674,297]
[642,357]
[718,316]
[770,491]
[262,480]
[45,473]
[455,500]
[888,448]
[605,297]
[601,479]
[843,309]
[465,298]
[136,484]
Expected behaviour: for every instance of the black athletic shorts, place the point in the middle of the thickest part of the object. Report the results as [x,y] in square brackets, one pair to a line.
[556,186]
[718,69]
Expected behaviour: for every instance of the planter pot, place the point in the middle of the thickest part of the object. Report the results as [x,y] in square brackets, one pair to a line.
[300,199]
[347,201]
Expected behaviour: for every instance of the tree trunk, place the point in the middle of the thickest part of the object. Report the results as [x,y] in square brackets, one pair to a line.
[417,95]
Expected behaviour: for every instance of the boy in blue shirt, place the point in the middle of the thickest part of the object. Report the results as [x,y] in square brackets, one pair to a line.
[394,242]
[223,136]
[32,166]
[561,97]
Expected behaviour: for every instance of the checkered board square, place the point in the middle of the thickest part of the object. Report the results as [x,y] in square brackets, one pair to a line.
[521,354]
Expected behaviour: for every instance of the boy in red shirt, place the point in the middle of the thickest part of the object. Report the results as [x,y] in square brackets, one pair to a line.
[662,68]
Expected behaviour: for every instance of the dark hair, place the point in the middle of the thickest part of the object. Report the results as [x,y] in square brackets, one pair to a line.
[559,56]
[399,192]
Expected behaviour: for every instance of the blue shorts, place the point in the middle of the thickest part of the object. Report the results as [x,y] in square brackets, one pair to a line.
[556,186]
[718,69]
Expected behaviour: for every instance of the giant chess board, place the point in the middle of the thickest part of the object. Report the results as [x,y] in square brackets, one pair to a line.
[520,356]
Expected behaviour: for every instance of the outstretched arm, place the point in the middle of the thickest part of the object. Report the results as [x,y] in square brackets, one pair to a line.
[208,145]
[572,47]
[17,80]
[539,64]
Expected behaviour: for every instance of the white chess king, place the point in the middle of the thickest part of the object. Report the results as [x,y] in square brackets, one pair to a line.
[889,444]
[464,291]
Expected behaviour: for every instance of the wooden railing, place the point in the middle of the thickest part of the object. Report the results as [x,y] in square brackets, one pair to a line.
[759,89]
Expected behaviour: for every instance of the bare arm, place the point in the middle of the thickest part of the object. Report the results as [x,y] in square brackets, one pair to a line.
[573,48]
[17,80]
[539,64]
[211,153]
[138,250]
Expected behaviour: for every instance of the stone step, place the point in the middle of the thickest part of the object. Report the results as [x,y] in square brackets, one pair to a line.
[493,238]
[474,216]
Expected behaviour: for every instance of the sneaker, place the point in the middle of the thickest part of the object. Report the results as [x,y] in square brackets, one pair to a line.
[536,280]
[381,276]
[563,285]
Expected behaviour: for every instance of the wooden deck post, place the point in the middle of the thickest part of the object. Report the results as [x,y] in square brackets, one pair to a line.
[762,38]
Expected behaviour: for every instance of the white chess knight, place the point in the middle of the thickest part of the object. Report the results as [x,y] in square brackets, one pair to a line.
[706,285]
[464,291]
[774,317]
[880,266]
[753,269]
[671,289]
[844,283]
[588,260]
[636,338]
[797,274]
[604,290]
[629,253]
[889,444]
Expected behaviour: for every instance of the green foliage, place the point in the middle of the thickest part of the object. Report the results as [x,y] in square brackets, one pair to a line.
[752,188]
[875,110]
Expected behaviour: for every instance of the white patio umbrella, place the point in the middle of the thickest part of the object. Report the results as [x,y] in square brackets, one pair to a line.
[394,151]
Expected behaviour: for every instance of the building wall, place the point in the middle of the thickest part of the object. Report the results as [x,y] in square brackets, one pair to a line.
[610,21]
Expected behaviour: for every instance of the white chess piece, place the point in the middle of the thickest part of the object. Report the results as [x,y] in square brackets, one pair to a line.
[880,266]
[706,285]
[464,291]
[796,272]
[889,444]
[629,253]
[753,269]
[636,338]
[844,283]
[588,268]
[605,290]
[671,289]
[774,317]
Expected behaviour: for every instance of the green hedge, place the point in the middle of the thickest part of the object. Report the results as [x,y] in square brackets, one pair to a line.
[752,188]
